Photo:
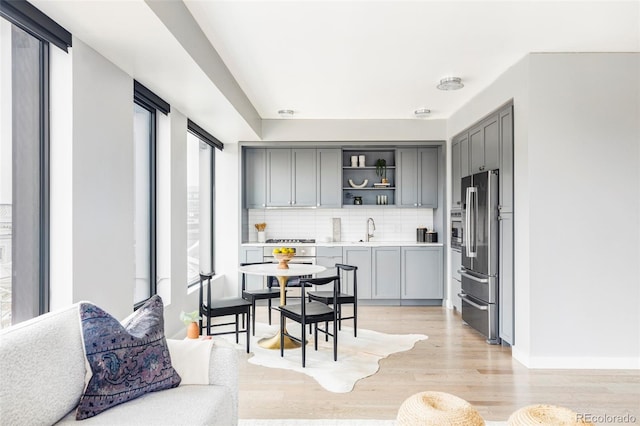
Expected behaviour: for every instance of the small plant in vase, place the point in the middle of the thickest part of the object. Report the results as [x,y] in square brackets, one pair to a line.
[191,321]
[381,169]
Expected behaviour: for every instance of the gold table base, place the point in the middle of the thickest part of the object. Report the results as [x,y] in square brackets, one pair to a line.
[274,342]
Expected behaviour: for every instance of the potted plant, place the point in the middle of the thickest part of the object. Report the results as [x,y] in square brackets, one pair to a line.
[191,321]
[381,169]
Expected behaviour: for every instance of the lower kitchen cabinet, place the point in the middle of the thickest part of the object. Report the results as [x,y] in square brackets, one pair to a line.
[421,273]
[360,257]
[328,257]
[251,255]
[385,280]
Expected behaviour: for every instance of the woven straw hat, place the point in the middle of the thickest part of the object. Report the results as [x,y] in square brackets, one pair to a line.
[543,414]
[437,408]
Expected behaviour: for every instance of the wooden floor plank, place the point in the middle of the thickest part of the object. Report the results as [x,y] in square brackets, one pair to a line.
[455,359]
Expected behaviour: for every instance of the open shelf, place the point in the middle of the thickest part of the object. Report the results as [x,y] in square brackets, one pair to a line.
[369,193]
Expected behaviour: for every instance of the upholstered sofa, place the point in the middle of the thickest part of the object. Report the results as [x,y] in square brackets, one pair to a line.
[42,377]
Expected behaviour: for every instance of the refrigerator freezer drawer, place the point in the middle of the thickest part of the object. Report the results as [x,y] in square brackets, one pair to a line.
[481,316]
[479,287]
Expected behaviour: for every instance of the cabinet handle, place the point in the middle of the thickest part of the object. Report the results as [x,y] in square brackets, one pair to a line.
[419,204]
[264,205]
[415,205]
[318,205]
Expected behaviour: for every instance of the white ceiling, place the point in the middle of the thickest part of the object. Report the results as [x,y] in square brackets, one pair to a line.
[334,59]
[383,59]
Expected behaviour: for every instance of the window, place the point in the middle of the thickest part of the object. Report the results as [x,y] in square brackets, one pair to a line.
[200,201]
[25,37]
[145,108]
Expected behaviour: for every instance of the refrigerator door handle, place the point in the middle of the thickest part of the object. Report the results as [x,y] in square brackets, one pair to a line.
[471,277]
[474,304]
[470,218]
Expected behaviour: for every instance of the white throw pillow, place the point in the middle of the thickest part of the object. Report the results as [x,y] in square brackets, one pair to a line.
[190,358]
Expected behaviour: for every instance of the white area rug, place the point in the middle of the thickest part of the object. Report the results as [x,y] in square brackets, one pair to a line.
[329,422]
[357,357]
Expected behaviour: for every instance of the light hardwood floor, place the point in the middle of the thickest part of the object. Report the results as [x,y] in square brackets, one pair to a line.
[455,359]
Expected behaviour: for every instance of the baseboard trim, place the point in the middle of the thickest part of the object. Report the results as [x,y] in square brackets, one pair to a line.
[576,363]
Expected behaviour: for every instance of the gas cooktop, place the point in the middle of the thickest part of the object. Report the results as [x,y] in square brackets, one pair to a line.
[290,241]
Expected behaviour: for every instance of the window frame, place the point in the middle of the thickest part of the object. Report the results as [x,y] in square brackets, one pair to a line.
[214,143]
[46,31]
[151,102]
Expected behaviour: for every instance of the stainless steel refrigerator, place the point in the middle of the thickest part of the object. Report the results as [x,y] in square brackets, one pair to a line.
[480,253]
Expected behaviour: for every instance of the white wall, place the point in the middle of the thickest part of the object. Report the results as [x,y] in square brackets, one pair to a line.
[576,181]
[102,182]
[584,146]
[95,183]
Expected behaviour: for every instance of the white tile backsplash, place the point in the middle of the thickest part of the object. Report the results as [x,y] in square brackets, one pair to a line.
[391,224]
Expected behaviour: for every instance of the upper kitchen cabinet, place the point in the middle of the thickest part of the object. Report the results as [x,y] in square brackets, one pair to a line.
[255,178]
[417,177]
[329,162]
[506,159]
[363,171]
[459,166]
[484,143]
[291,177]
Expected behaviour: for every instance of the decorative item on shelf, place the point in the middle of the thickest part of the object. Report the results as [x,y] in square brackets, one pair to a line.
[381,169]
[361,185]
[361,160]
[283,255]
[357,201]
[382,200]
[260,227]
[354,161]
[191,321]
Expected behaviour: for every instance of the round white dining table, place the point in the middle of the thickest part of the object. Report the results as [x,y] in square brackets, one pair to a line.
[272,270]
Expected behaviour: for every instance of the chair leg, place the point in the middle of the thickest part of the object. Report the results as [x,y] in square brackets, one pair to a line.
[253,316]
[281,335]
[315,336]
[339,309]
[304,347]
[237,330]
[335,341]
[269,301]
[247,332]
[355,320]
[326,327]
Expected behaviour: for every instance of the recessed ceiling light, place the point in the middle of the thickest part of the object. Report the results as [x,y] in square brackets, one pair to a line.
[450,83]
[285,113]
[422,112]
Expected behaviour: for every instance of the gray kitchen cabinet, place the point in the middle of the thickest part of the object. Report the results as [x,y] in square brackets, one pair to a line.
[506,159]
[329,168]
[459,167]
[360,257]
[421,274]
[484,145]
[328,256]
[385,281]
[251,255]
[255,178]
[506,292]
[417,177]
[291,177]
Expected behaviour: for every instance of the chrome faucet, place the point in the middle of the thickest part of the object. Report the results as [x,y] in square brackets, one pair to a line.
[370,235]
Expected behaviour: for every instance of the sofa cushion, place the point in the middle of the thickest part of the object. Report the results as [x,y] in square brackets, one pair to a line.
[127,360]
[41,368]
[191,405]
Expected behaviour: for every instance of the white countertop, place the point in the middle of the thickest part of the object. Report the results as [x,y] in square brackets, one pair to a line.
[348,244]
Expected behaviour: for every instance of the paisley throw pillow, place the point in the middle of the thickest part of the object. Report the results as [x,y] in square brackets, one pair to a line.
[127,360]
